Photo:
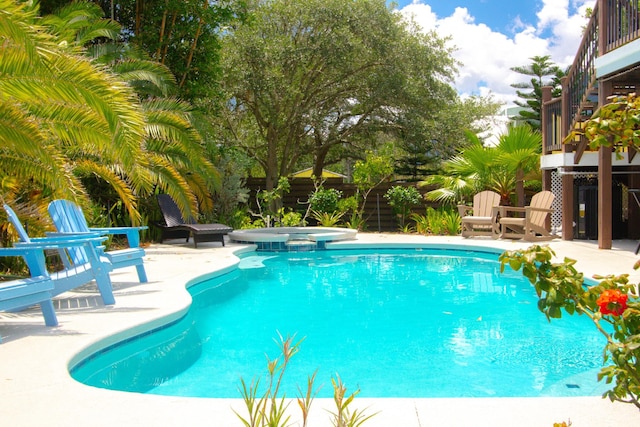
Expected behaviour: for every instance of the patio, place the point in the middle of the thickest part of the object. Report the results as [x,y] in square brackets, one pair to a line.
[37,390]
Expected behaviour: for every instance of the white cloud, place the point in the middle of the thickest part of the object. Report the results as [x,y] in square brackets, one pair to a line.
[488,56]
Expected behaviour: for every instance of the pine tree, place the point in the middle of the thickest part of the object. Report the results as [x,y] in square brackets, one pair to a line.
[543,72]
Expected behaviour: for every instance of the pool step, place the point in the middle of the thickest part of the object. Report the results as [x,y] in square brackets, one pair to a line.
[300,245]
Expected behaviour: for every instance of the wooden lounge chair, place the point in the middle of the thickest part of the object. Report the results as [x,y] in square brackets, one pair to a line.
[20,293]
[79,253]
[69,218]
[478,220]
[175,226]
[530,227]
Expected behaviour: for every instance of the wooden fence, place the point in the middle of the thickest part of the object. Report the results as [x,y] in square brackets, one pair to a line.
[378,214]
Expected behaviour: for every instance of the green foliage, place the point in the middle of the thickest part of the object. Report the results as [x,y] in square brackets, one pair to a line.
[402,199]
[451,222]
[333,90]
[616,125]
[349,207]
[367,175]
[182,34]
[269,409]
[328,219]
[561,288]
[343,417]
[426,143]
[289,219]
[95,118]
[231,197]
[268,200]
[507,168]
[542,72]
[443,221]
[325,200]
[372,171]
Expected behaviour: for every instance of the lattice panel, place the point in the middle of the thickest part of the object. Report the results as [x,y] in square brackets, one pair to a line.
[556,189]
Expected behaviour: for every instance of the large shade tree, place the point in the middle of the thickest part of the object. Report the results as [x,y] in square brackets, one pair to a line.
[306,79]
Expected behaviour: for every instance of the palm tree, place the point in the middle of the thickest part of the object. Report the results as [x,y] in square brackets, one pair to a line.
[519,151]
[465,174]
[72,108]
[502,168]
[61,113]
[177,163]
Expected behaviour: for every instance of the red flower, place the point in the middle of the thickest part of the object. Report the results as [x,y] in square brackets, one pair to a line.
[612,301]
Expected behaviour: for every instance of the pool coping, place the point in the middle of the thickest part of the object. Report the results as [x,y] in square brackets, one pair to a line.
[37,389]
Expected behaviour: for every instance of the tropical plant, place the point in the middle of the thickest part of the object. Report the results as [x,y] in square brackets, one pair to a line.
[349,207]
[612,305]
[343,417]
[269,408]
[464,175]
[614,125]
[64,116]
[451,222]
[421,222]
[509,167]
[437,221]
[268,202]
[99,126]
[519,152]
[328,219]
[402,199]
[178,163]
[289,219]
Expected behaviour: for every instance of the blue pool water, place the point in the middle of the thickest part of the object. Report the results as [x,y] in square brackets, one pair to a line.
[396,323]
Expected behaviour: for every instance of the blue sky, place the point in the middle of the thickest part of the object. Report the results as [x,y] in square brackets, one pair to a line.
[492,36]
[499,15]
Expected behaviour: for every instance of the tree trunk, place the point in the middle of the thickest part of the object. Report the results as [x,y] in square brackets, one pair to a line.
[520,187]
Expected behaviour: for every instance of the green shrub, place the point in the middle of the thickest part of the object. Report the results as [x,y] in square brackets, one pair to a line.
[325,200]
[444,221]
[402,199]
[290,219]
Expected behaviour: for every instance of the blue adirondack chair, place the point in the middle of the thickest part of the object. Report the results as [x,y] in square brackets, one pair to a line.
[19,293]
[79,254]
[69,218]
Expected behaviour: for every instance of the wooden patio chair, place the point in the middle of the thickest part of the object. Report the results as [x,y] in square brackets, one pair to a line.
[20,293]
[175,225]
[478,220]
[531,225]
[69,218]
[79,254]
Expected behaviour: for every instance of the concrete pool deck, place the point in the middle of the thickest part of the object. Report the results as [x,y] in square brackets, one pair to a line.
[37,390]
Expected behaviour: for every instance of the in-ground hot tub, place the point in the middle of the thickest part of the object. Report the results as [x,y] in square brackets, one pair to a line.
[292,238]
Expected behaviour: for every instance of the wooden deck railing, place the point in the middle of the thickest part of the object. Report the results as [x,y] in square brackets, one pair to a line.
[553,130]
[620,22]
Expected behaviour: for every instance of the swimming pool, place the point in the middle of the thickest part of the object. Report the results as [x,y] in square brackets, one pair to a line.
[395,323]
